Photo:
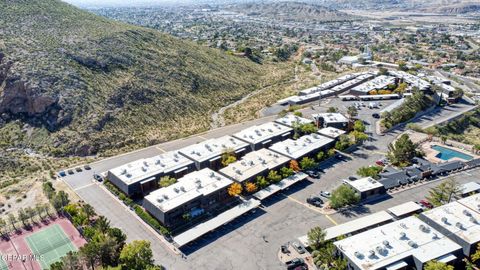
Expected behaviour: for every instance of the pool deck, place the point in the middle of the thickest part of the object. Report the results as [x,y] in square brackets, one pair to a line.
[431,154]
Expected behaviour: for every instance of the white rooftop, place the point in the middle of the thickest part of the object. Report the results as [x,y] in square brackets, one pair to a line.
[253,164]
[461,218]
[405,208]
[189,187]
[264,132]
[392,243]
[365,184]
[331,132]
[211,148]
[470,187]
[331,117]
[304,145]
[377,83]
[353,226]
[410,79]
[145,168]
[289,120]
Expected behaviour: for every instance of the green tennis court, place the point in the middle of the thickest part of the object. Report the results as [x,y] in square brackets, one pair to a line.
[50,245]
[3,265]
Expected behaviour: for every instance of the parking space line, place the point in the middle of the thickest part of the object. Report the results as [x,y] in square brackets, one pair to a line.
[85,186]
[201,137]
[331,219]
[304,204]
[163,151]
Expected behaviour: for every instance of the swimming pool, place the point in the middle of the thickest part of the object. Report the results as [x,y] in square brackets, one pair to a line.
[447,153]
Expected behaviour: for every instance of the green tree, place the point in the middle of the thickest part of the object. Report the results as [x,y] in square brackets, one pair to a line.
[30,212]
[228,157]
[3,226]
[316,237]
[166,181]
[286,172]
[402,151]
[261,182]
[444,192]
[402,65]
[102,224]
[352,111]
[358,125]
[307,163]
[23,216]
[88,210]
[343,142]
[370,171]
[12,220]
[273,177]
[343,196]
[332,110]
[90,253]
[71,261]
[119,236]
[137,255]
[359,136]
[435,265]
[321,156]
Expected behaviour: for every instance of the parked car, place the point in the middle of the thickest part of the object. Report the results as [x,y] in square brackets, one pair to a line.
[284,249]
[376,115]
[292,264]
[426,203]
[313,174]
[301,267]
[62,173]
[70,172]
[87,167]
[78,169]
[352,178]
[325,194]
[298,247]
[315,201]
[98,177]
[380,163]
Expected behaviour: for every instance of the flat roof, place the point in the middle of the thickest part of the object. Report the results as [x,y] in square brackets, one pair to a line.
[365,184]
[377,83]
[470,187]
[331,117]
[189,187]
[304,145]
[223,218]
[410,79]
[260,133]
[331,132]
[142,169]
[461,218]
[353,226]
[211,148]
[405,208]
[393,242]
[253,164]
[266,192]
[289,120]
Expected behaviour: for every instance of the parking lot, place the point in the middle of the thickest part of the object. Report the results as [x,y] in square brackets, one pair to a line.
[282,218]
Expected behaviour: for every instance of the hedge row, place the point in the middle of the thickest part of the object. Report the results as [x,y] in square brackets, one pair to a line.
[138,210]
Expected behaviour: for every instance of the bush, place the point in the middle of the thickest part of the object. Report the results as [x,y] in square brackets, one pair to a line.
[371,171]
[343,196]
[150,220]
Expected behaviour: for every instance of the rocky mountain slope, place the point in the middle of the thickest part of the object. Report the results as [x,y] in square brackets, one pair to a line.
[291,11]
[76,83]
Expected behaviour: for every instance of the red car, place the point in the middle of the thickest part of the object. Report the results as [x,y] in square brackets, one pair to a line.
[426,204]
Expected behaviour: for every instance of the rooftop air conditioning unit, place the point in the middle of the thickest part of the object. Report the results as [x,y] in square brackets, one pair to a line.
[459,225]
[176,190]
[160,200]
[358,254]
[386,243]
[371,253]
[473,220]
[412,244]
[403,235]
[182,188]
[165,196]
[444,220]
[144,169]
[466,213]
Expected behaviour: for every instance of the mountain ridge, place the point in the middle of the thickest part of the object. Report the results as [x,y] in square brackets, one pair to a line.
[96,84]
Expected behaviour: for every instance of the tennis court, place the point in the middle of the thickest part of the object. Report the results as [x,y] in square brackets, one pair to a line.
[3,265]
[50,245]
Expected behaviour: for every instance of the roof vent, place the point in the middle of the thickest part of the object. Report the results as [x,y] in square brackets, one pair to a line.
[157,162]
[144,168]
[379,249]
[412,244]
[434,236]
[466,213]
[386,243]
[358,255]
[182,188]
[175,155]
[212,174]
[371,253]
[403,235]
[165,196]
[124,171]
[459,225]
[159,200]
[145,163]
[424,228]
[176,190]
[129,175]
[473,220]
[444,220]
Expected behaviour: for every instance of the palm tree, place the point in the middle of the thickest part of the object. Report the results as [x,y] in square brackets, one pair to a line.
[23,216]
[39,210]
[102,224]
[88,210]
[12,219]
[30,213]
[316,237]
[3,225]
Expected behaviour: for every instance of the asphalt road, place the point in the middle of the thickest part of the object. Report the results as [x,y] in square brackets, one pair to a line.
[284,217]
